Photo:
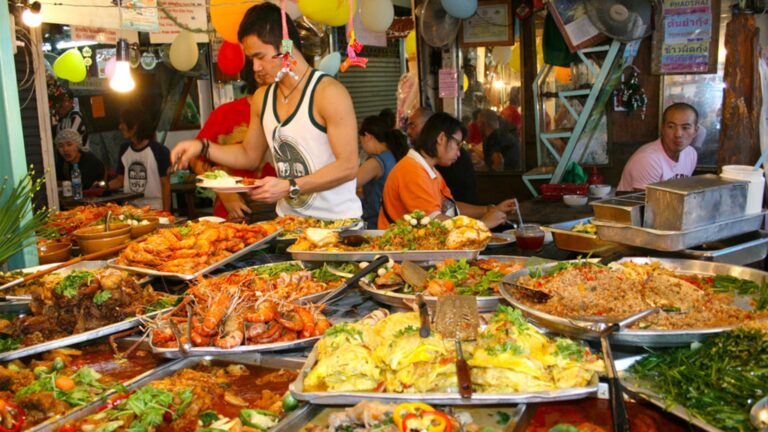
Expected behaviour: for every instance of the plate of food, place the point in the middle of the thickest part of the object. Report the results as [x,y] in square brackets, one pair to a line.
[81,305]
[221,181]
[195,248]
[415,237]
[387,360]
[695,298]
[64,380]
[294,225]
[500,240]
[196,394]
[480,278]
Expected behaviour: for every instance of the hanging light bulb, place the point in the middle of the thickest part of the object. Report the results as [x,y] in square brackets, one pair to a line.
[122,81]
[31,15]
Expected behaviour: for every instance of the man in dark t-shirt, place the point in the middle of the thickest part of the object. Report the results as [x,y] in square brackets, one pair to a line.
[69,145]
[501,145]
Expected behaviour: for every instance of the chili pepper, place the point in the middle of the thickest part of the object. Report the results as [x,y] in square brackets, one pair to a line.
[404,409]
[114,401]
[67,428]
[17,414]
[430,421]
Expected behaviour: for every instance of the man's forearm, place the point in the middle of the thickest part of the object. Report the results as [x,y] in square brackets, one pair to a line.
[328,177]
[234,156]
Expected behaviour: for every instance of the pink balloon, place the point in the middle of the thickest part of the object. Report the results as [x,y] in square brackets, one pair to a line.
[109,68]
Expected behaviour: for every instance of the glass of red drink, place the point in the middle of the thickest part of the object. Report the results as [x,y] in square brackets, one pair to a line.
[529,237]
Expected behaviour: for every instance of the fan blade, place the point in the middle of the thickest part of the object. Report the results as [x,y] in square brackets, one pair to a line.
[623,20]
[436,26]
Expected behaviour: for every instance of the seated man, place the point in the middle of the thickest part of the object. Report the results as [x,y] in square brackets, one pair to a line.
[70,146]
[670,156]
[501,145]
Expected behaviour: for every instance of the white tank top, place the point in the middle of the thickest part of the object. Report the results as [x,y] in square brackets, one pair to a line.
[300,147]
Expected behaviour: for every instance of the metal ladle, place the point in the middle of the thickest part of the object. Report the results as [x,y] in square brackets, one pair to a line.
[758,415]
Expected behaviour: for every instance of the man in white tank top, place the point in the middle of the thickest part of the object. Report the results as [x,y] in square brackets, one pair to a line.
[308,122]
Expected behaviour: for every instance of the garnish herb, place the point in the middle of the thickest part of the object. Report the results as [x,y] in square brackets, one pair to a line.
[406,331]
[272,270]
[102,296]
[505,347]
[72,282]
[569,349]
[345,328]
[512,316]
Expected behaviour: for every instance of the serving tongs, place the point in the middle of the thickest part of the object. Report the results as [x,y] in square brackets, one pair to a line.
[618,409]
[417,277]
[352,281]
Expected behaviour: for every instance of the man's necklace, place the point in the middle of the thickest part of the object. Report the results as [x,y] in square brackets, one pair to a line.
[286,96]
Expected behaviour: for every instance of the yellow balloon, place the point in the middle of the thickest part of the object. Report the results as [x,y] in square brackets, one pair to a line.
[563,74]
[514,61]
[339,12]
[410,44]
[226,16]
[316,10]
[70,66]
[466,82]
[183,52]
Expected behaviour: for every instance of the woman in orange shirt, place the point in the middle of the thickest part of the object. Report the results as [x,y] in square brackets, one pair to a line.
[415,184]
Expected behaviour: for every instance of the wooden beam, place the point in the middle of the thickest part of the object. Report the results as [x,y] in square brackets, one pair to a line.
[742,98]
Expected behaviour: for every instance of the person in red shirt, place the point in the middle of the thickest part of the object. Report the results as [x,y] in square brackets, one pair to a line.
[511,113]
[228,124]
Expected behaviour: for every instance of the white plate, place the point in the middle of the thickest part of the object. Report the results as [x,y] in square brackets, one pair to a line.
[547,235]
[237,187]
[214,219]
[508,239]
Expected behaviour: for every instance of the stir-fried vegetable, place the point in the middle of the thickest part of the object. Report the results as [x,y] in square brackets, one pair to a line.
[717,381]
[71,283]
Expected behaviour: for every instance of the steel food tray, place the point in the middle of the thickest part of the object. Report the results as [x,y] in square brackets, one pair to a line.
[743,249]
[566,239]
[351,398]
[399,300]
[82,265]
[397,255]
[80,337]
[633,337]
[677,240]
[291,236]
[209,268]
[309,414]
[166,370]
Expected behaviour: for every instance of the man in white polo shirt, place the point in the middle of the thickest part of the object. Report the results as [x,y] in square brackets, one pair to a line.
[670,156]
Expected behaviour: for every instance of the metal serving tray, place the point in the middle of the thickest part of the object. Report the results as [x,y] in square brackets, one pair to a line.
[399,300]
[209,268]
[566,239]
[677,240]
[310,413]
[351,398]
[274,362]
[401,255]
[80,337]
[633,337]
[290,237]
[82,265]
[739,250]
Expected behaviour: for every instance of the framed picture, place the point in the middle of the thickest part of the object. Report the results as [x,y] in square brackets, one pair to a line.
[573,22]
[492,24]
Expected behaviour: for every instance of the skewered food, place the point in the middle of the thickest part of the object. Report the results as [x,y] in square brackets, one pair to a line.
[480,277]
[294,225]
[371,416]
[192,247]
[61,225]
[78,302]
[415,231]
[207,397]
[62,380]
[582,289]
[509,356]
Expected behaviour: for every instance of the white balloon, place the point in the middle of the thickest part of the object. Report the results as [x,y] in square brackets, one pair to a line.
[460,8]
[502,54]
[183,53]
[291,8]
[331,63]
[377,15]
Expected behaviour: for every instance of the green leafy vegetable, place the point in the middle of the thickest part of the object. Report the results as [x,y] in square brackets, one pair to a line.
[216,174]
[344,328]
[208,417]
[163,303]
[505,347]
[273,270]
[148,405]
[717,381]
[324,274]
[9,343]
[102,296]
[406,331]
[503,418]
[512,316]
[87,386]
[72,282]
[569,349]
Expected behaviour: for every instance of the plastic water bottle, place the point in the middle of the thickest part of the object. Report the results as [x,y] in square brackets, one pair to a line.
[77,183]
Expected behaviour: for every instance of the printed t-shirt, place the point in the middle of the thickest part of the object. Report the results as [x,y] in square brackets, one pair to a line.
[651,164]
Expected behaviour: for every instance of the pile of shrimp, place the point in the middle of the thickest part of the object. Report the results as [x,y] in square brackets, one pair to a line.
[290,285]
[193,246]
[225,316]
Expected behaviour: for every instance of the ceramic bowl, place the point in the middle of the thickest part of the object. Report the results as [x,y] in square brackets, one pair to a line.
[96,232]
[599,190]
[141,229]
[89,246]
[54,252]
[575,200]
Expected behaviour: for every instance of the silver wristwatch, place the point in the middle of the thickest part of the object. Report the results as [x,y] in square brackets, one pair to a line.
[294,190]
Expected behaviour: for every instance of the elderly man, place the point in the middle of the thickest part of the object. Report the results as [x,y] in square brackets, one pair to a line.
[670,156]
[69,143]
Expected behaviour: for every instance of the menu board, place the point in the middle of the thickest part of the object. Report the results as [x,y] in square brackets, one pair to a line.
[686,39]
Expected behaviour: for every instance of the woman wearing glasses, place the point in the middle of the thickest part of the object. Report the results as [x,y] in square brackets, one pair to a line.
[415,184]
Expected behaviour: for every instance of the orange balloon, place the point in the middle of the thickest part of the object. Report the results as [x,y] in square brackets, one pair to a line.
[226,16]
[562,74]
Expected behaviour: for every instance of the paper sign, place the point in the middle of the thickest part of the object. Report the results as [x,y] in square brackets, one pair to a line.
[97,107]
[186,12]
[448,85]
[140,15]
